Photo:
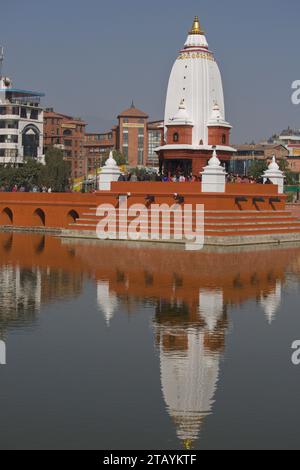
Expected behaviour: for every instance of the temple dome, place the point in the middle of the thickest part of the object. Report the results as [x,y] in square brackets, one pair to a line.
[181,117]
[195,78]
[216,118]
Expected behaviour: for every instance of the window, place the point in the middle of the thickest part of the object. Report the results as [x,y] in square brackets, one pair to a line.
[9,139]
[67,132]
[140,146]
[224,139]
[68,143]
[34,114]
[125,137]
[23,113]
[175,137]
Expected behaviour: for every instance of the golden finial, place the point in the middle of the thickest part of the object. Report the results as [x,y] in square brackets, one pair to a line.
[196,28]
[187,444]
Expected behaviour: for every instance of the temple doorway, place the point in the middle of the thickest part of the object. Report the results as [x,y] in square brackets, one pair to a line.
[177,167]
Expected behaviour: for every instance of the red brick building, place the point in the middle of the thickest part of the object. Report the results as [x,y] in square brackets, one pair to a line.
[132,135]
[68,134]
[97,146]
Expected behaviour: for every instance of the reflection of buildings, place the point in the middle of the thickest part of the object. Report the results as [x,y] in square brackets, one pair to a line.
[190,292]
[20,293]
[190,344]
[24,285]
[107,301]
[271,302]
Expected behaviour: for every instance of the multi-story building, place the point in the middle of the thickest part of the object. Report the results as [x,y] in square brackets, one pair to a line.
[290,138]
[247,153]
[21,123]
[68,134]
[132,136]
[97,146]
[155,139]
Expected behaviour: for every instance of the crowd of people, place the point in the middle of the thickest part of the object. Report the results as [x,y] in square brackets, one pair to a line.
[25,189]
[182,178]
[177,178]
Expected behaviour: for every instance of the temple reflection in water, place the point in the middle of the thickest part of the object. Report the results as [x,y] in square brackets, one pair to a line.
[190,294]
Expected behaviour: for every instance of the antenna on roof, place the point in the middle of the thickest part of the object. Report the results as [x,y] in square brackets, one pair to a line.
[1,58]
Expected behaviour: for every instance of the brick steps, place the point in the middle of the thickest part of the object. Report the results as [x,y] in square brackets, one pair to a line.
[219,223]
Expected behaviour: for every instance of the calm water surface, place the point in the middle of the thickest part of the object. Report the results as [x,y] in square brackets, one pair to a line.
[115,346]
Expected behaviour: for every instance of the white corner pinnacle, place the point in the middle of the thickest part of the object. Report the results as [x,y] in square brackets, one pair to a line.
[275,175]
[213,176]
[182,116]
[111,162]
[109,173]
[214,162]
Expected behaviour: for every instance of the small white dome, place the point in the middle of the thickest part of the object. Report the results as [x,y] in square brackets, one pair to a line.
[216,118]
[181,117]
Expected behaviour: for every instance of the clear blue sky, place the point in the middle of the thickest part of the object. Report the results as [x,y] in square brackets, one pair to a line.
[91,57]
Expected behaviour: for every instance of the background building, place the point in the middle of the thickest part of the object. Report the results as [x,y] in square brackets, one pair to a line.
[155,131]
[21,123]
[290,138]
[132,136]
[96,147]
[68,134]
[247,153]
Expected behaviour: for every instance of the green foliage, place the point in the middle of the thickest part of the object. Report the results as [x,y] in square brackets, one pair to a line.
[284,166]
[54,174]
[257,168]
[27,176]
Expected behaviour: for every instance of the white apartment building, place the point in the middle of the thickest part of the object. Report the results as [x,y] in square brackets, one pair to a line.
[21,123]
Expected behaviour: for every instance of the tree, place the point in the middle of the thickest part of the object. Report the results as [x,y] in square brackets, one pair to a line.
[284,166]
[27,175]
[257,168]
[57,172]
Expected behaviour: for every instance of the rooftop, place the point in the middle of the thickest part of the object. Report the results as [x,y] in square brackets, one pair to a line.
[22,93]
[133,112]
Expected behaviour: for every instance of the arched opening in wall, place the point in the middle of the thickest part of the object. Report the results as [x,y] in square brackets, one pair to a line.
[175,137]
[6,217]
[39,218]
[224,139]
[30,141]
[72,217]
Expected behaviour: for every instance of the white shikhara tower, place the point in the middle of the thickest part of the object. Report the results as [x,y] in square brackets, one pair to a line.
[195,83]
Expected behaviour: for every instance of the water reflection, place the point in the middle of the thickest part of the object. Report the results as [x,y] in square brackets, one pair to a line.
[189,293]
[190,345]
[26,284]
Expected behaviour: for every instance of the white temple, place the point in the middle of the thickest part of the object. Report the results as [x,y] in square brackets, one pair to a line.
[195,80]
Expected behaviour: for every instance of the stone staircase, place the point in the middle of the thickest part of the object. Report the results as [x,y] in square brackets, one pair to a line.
[221,227]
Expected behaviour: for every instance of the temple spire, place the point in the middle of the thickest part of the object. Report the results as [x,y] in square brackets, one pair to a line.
[196,28]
